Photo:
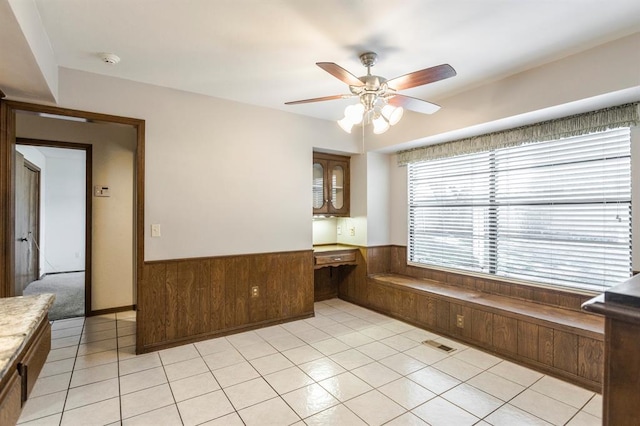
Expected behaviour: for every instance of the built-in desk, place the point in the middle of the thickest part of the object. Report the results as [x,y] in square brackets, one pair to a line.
[326,258]
[25,340]
[333,255]
[621,387]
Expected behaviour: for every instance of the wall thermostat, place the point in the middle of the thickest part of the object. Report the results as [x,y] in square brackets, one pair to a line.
[101,191]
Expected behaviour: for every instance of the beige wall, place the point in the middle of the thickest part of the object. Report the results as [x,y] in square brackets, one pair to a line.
[221,177]
[113,217]
[228,178]
[557,89]
[577,83]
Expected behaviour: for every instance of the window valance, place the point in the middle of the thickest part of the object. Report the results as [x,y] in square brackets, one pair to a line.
[626,115]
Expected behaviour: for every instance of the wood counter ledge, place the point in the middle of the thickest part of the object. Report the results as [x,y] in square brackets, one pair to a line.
[621,386]
[19,320]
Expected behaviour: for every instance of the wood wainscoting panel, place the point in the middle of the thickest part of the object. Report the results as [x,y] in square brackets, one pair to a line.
[426,310]
[565,351]
[545,345]
[407,304]
[505,333]
[442,314]
[218,317]
[546,296]
[482,326]
[238,277]
[193,299]
[590,358]
[324,285]
[152,301]
[467,320]
[528,340]
[378,260]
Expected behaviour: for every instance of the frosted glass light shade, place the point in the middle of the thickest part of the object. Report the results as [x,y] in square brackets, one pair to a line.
[354,113]
[345,124]
[380,125]
[393,114]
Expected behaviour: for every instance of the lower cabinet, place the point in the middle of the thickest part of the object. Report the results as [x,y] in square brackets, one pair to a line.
[35,356]
[23,373]
[11,400]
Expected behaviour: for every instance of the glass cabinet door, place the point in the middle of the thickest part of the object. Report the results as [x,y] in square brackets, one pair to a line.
[337,186]
[330,185]
[318,185]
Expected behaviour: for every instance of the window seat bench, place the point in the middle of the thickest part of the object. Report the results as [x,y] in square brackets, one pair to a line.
[559,341]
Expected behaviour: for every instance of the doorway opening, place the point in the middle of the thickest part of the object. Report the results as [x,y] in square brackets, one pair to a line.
[9,110]
[61,245]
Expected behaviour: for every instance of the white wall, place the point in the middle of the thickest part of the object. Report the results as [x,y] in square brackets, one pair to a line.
[398,205]
[65,214]
[113,217]
[324,230]
[378,199]
[358,220]
[34,156]
[221,177]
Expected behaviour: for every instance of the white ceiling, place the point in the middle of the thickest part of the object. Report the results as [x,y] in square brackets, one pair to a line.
[263,52]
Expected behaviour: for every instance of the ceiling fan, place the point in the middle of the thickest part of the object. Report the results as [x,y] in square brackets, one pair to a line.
[379,100]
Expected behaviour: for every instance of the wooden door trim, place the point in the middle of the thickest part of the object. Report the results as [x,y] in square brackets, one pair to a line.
[88,222]
[7,188]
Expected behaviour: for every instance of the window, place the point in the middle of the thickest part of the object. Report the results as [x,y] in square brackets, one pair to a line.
[556,212]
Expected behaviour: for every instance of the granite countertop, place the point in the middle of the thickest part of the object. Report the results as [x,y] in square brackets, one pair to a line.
[332,247]
[19,319]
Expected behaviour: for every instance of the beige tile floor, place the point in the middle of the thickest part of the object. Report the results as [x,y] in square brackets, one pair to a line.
[346,366]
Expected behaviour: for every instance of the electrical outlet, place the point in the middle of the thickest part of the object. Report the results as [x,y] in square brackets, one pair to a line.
[460,321]
[352,231]
[255,291]
[339,230]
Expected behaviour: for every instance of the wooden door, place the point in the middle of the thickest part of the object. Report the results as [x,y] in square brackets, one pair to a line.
[27,223]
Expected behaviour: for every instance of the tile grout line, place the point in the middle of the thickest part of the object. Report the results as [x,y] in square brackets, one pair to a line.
[309,344]
[118,372]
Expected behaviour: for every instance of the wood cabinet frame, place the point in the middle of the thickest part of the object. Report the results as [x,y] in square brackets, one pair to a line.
[328,162]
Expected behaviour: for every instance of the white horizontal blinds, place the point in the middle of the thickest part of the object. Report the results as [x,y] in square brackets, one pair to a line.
[448,212]
[564,210]
[557,212]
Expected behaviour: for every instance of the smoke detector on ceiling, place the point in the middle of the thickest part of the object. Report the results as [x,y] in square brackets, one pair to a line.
[109,58]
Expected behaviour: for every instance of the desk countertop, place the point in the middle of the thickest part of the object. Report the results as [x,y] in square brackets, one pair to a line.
[19,319]
[332,247]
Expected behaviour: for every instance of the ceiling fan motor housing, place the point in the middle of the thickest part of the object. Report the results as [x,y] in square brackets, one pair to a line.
[369,59]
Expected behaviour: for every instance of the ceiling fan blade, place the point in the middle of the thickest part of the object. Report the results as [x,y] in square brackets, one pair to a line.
[414,104]
[340,73]
[425,76]
[324,98]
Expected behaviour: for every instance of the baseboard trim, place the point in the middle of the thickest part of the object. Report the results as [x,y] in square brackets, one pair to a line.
[62,272]
[220,333]
[111,310]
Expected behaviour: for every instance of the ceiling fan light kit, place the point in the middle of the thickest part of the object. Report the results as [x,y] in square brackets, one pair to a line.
[379,103]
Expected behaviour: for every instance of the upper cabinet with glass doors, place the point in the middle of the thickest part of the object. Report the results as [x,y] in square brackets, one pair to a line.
[330,184]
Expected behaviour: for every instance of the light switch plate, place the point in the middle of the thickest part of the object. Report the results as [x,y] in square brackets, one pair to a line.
[155,230]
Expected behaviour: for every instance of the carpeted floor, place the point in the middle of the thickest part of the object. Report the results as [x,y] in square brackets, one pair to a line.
[69,291]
